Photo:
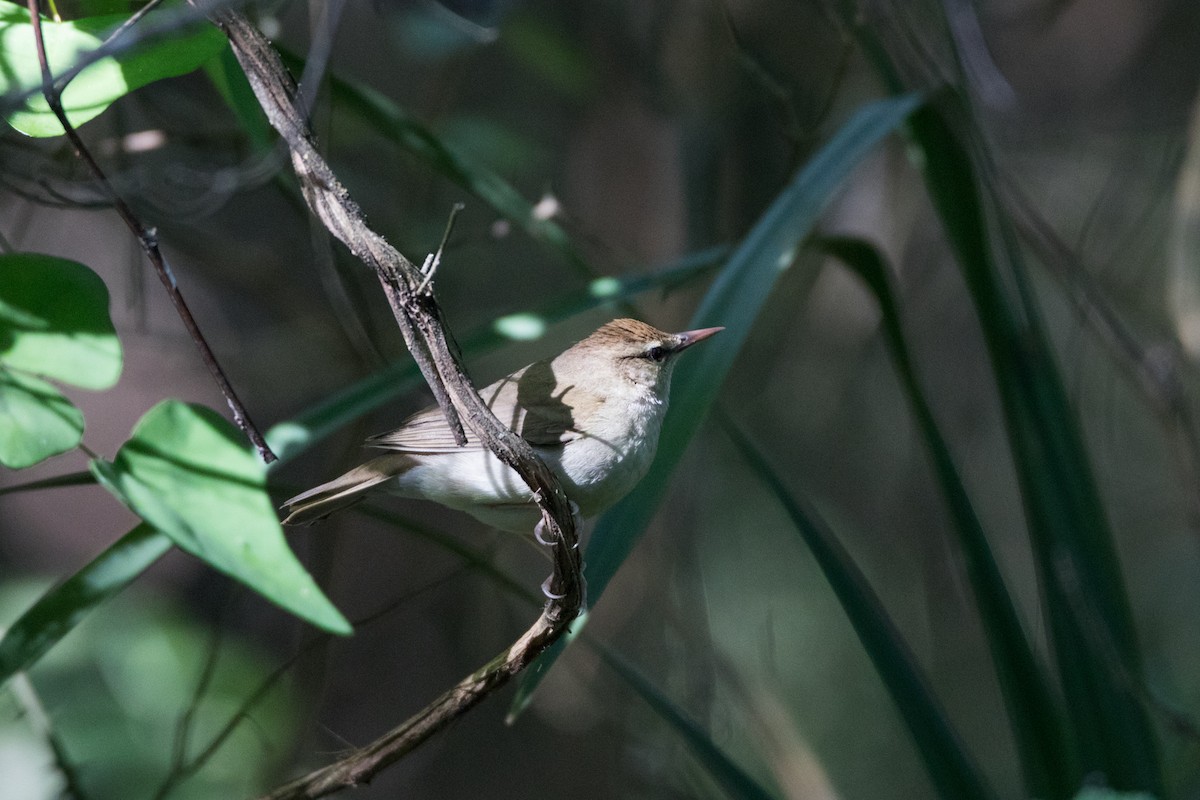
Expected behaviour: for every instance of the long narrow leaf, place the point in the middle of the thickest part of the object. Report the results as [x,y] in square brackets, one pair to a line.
[292,437]
[950,767]
[1089,618]
[397,124]
[734,300]
[63,607]
[728,775]
[1049,766]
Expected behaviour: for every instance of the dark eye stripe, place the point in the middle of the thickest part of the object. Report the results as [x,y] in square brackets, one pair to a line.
[656,353]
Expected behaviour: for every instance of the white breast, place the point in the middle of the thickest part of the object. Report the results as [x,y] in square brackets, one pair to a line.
[596,469]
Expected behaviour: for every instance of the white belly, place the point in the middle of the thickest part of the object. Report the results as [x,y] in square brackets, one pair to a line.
[594,475]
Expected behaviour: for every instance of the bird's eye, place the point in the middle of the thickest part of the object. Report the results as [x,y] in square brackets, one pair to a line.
[657,354]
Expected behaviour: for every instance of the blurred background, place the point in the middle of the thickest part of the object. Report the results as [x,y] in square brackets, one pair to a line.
[649,132]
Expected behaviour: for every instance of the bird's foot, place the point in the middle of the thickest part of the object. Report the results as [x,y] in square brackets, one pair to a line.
[539,530]
[539,533]
[546,590]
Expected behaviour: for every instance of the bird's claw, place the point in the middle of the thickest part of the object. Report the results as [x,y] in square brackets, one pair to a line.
[539,530]
[546,590]
[539,533]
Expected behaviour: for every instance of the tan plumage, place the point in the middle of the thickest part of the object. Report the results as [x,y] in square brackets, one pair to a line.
[593,413]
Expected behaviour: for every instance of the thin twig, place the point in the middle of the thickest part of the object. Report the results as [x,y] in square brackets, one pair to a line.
[325,26]
[1153,369]
[183,728]
[420,321]
[430,267]
[186,769]
[134,19]
[148,239]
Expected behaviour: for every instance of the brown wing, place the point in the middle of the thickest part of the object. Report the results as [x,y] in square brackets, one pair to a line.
[524,401]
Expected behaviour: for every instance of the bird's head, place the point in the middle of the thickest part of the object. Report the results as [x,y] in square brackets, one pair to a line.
[635,353]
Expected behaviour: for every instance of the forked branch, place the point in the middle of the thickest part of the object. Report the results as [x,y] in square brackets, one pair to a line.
[421,324]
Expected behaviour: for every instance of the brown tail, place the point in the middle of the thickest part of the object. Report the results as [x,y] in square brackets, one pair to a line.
[339,493]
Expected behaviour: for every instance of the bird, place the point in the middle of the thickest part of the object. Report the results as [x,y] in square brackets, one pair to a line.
[593,413]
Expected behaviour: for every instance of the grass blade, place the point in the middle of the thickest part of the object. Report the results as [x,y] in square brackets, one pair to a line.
[1090,622]
[728,775]
[290,438]
[395,123]
[734,300]
[1049,766]
[63,607]
[950,767]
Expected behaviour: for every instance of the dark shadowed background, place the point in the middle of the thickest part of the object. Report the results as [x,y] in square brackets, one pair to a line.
[649,131]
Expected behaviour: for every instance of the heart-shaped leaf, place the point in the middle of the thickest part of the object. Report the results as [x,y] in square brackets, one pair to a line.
[54,321]
[101,83]
[36,422]
[185,472]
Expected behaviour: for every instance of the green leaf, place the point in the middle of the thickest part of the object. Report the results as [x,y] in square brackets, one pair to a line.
[1090,622]
[1034,713]
[290,438]
[1101,793]
[945,756]
[101,83]
[728,775]
[54,321]
[36,422]
[185,472]
[229,80]
[734,300]
[64,606]
[550,56]
[399,125]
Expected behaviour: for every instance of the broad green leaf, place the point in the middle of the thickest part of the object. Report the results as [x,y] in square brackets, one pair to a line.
[1090,622]
[1033,710]
[734,300]
[185,472]
[36,422]
[64,606]
[101,83]
[54,321]
[129,693]
[943,752]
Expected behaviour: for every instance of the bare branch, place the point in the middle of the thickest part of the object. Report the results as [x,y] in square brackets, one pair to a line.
[423,328]
[148,239]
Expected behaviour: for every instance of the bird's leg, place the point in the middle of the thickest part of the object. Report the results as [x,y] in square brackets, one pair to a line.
[539,533]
